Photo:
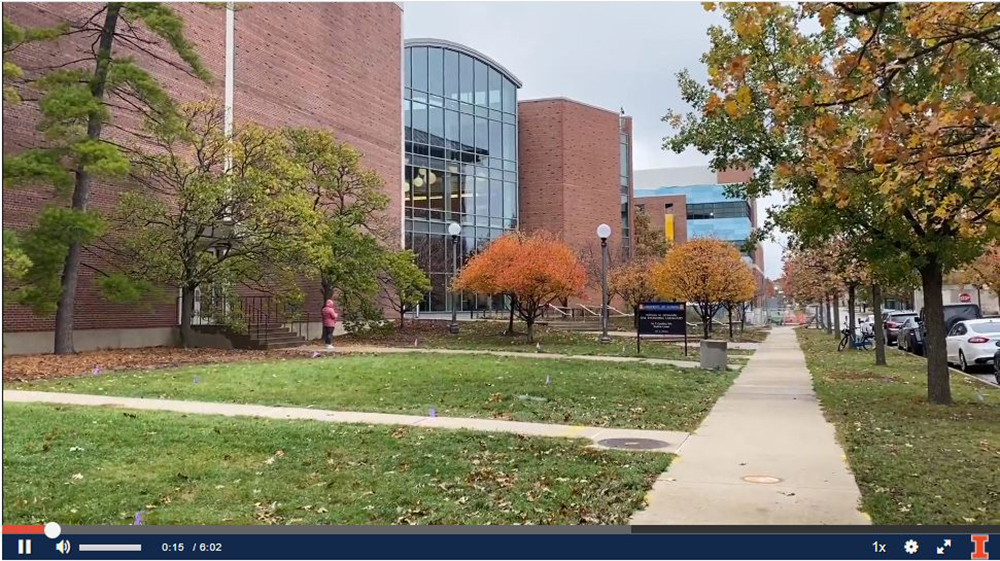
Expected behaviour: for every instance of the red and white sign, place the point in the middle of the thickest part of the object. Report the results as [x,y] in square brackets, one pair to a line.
[964,297]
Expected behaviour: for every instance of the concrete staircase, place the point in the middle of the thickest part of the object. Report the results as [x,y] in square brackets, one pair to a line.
[262,337]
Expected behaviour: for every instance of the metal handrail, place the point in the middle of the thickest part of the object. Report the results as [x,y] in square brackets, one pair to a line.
[558,309]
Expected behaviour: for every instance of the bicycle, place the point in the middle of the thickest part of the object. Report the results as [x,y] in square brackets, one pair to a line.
[865,342]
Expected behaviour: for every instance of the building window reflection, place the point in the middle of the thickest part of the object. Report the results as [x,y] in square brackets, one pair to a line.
[460,119]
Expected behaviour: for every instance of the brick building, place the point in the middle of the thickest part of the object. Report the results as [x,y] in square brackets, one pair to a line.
[333,66]
[576,174]
[440,122]
[691,202]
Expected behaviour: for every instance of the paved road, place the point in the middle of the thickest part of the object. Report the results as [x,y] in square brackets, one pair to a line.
[767,428]
[671,440]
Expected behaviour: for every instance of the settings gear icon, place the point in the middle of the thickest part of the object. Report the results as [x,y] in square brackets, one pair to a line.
[911,547]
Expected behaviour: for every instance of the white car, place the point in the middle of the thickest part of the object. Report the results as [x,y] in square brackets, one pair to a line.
[973,342]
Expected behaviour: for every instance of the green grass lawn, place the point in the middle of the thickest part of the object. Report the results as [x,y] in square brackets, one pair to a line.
[915,463]
[581,392]
[488,335]
[102,466]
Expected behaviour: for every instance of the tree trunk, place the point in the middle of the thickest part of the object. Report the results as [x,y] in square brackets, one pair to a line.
[706,320]
[829,314]
[851,302]
[879,330]
[327,287]
[836,316]
[81,190]
[510,322]
[187,312]
[730,310]
[402,316]
[743,318]
[819,317]
[530,321]
[938,382]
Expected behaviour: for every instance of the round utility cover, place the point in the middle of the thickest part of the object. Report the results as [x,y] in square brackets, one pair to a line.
[766,479]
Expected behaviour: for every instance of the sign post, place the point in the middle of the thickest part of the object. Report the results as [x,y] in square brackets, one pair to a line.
[660,318]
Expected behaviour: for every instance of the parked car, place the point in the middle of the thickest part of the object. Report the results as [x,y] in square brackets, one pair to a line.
[892,322]
[996,365]
[909,338]
[953,313]
[972,342]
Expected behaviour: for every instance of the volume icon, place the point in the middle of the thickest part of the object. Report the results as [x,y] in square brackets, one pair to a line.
[63,547]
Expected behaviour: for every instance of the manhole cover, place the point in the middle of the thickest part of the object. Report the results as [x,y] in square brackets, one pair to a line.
[761,479]
[633,443]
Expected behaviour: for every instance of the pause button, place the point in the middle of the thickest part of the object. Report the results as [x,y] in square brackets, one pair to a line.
[24,547]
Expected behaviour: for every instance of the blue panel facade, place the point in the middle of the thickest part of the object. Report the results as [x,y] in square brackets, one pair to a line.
[710,212]
[728,229]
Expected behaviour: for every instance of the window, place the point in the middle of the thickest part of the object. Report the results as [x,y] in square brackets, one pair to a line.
[435,69]
[509,96]
[468,132]
[509,200]
[406,68]
[496,138]
[419,68]
[734,209]
[482,196]
[451,75]
[494,84]
[496,197]
[435,182]
[419,122]
[465,82]
[436,126]
[509,142]
[407,120]
[481,85]
[482,136]
[451,130]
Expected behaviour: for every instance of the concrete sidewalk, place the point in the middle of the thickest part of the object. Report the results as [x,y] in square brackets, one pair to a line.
[764,455]
[371,349]
[671,440]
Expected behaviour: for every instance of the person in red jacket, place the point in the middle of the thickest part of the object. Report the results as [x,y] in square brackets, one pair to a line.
[329,323]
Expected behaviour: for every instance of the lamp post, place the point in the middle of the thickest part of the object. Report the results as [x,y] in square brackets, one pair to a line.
[455,230]
[604,232]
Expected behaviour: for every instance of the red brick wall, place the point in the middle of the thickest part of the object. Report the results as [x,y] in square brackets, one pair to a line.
[205,28]
[655,209]
[569,173]
[332,66]
[568,169]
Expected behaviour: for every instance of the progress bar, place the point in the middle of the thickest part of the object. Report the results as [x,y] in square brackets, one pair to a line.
[110,547]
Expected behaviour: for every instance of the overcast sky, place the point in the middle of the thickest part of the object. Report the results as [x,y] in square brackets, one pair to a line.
[609,54]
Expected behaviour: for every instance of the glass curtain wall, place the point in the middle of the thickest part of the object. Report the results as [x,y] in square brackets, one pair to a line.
[460,120]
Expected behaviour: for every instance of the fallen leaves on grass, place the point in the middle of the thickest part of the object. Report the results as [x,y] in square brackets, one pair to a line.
[22,368]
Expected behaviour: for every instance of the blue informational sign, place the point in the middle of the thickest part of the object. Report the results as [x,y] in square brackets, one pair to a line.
[664,319]
[661,318]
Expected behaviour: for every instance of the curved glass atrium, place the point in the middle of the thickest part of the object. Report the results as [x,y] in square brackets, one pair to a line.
[460,118]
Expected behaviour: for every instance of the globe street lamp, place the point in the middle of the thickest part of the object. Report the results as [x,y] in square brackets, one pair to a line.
[455,230]
[604,232]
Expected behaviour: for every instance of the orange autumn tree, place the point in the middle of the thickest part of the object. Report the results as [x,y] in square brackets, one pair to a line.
[740,289]
[702,271]
[633,281]
[534,269]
